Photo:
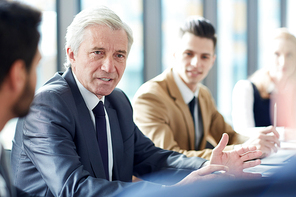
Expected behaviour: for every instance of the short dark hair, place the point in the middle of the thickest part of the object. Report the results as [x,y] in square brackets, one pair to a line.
[200,27]
[19,35]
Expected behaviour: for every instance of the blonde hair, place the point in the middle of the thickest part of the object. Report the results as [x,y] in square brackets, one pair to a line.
[261,78]
[283,33]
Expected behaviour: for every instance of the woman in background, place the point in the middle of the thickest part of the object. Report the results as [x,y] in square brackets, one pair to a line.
[251,98]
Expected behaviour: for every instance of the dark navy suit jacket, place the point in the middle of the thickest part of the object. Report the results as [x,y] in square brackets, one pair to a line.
[55,150]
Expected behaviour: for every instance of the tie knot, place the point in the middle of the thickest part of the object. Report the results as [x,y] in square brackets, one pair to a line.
[192,102]
[99,109]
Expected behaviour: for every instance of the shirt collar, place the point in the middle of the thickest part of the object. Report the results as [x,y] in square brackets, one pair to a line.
[187,94]
[90,99]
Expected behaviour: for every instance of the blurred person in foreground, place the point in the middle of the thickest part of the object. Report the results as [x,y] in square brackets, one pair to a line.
[19,57]
[79,138]
[252,104]
[177,112]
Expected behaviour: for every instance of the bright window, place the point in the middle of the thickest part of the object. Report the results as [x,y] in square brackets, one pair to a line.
[291,15]
[268,21]
[174,13]
[231,51]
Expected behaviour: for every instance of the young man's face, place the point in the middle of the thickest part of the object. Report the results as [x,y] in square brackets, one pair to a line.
[194,59]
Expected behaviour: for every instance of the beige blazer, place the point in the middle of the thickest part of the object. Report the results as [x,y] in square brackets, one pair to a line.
[161,114]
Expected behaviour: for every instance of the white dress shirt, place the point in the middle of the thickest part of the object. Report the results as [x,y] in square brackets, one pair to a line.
[91,102]
[188,95]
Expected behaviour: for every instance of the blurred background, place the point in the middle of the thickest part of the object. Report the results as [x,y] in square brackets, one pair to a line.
[243,28]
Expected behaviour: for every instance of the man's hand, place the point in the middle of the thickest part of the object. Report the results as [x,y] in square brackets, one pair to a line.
[206,173]
[236,160]
[267,140]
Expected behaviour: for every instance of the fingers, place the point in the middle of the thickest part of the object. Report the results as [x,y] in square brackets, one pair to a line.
[268,147]
[275,132]
[211,168]
[251,155]
[220,176]
[270,139]
[211,176]
[222,144]
[246,149]
[270,129]
[268,144]
[265,142]
[252,163]
[205,173]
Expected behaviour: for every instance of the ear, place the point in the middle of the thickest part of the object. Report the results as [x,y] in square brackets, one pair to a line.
[71,55]
[17,77]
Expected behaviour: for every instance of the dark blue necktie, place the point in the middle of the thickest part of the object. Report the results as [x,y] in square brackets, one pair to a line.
[99,113]
[191,106]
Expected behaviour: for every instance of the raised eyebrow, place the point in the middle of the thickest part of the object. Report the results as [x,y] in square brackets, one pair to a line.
[122,51]
[188,50]
[97,48]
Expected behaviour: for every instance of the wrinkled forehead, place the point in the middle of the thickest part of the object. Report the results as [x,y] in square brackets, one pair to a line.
[104,35]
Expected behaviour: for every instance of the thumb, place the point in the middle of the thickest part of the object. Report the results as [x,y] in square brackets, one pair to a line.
[222,144]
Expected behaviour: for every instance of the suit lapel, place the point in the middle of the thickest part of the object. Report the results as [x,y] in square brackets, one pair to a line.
[117,142]
[177,96]
[86,127]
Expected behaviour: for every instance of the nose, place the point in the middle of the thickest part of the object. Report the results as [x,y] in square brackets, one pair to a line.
[282,62]
[108,64]
[195,61]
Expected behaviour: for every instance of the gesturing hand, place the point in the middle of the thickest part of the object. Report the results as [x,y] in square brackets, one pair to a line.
[267,141]
[206,173]
[235,160]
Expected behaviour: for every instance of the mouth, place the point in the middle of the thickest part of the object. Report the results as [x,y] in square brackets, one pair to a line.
[105,79]
[193,72]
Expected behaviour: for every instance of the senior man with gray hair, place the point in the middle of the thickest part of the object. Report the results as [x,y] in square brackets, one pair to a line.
[79,138]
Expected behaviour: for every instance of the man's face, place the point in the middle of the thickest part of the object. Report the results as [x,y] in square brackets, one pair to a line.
[22,106]
[284,59]
[101,59]
[194,59]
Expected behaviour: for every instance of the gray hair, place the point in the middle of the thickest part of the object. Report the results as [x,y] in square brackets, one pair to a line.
[93,16]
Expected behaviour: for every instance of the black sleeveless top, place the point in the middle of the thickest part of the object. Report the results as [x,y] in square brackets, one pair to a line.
[261,109]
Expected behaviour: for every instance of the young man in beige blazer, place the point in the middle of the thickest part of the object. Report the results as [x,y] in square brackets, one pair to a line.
[161,108]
